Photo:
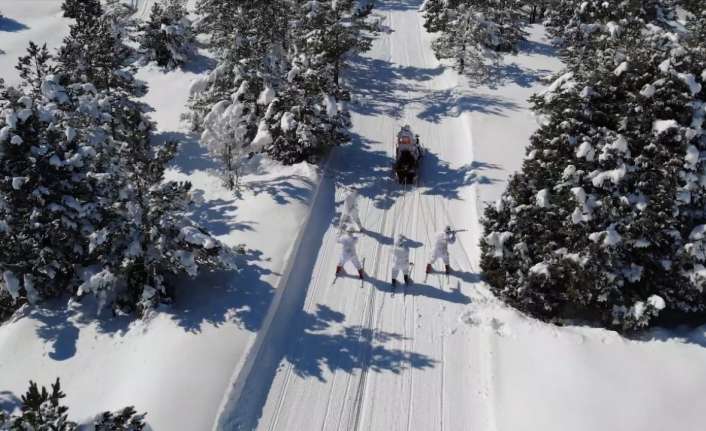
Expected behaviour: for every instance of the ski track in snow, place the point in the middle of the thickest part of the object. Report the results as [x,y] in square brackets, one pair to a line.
[364,358]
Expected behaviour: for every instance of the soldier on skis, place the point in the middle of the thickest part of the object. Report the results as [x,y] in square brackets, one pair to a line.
[348,242]
[400,259]
[349,213]
[441,249]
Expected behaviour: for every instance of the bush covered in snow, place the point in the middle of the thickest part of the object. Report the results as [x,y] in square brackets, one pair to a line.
[277,87]
[474,34]
[606,220]
[42,410]
[167,37]
[84,207]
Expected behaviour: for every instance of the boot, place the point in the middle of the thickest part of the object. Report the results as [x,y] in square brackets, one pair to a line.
[407,280]
[394,282]
[361,274]
[429,268]
[448,269]
[339,270]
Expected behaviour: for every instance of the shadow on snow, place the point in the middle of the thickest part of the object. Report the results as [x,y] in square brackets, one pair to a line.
[397,5]
[221,297]
[11,26]
[325,343]
[440,179]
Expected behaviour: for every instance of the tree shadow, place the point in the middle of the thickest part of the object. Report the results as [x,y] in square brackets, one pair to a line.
[384,88]
[397,5]
[533,47]
[453,102]
[191,157]
[218,297]
[9,402]
[283,189]
[199,63]
[325,343]
[219,217]
[442,180]
[11,26]
[512,73]
[56,328]
[320,342]
[371,170]
[378,90]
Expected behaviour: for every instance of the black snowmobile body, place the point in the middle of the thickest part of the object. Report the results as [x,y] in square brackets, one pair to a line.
[407,168]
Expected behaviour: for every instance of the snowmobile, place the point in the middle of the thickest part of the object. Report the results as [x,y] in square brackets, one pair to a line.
[408,155]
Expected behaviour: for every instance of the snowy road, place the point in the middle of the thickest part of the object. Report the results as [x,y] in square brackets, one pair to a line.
[348,357]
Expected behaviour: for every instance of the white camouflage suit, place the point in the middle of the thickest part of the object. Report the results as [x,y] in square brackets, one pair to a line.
[441,247]
[400,258]
[349,213]
[348,251]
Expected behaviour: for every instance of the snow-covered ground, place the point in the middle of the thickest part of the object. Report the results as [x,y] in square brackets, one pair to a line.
[40,21]
[444,355]
[177,365]
[280,347]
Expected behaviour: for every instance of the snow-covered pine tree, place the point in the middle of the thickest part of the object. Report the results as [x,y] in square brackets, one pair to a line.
[94,52]
[45,201]
[337,31]
[80,9]
[277,87]
[248,38]
[167,37]
[616,170]
[229,103]
[696,27]
[580,26]
[537,10]
[126,419]
[305,117]
[145,234]
[228,130]
[42,410]
[220,20]
[474,34]
[436,14]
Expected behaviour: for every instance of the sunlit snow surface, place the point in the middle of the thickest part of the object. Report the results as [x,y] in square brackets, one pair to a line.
[447,355]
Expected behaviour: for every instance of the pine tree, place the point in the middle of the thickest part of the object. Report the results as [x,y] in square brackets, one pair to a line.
[305,119]
[228,130]
[34,67]
[579,27]
[145,234]
[437,14]
[82,9]
[42,410]
[279,71]
[616,169]
[45,199]
[94,52]
[126,419]
[474,34]
[166,38]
